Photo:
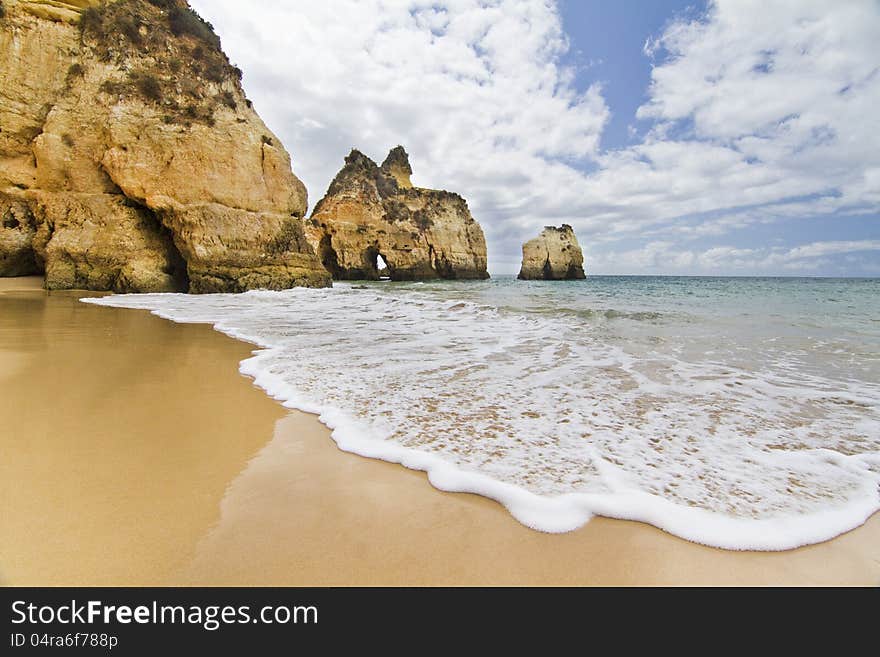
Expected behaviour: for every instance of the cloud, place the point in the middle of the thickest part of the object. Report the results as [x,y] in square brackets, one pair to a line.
[817,249]
[474,90]
[663,257]
[786,90]
[757,112]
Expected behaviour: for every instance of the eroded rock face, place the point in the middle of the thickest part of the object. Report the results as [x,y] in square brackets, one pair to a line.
[554,255]
[371,212]
[18,227]
[130,159]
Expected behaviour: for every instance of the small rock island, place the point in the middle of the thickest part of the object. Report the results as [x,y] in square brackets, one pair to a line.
[553,256]
[373,223]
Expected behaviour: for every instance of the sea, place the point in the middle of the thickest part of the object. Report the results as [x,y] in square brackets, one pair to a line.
[741,413]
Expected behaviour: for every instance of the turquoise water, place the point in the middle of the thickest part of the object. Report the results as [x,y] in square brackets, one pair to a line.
[829,326]
[737,412]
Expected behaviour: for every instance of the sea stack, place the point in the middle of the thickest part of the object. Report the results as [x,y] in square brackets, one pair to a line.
[131,161]
[372,212]
[552,256]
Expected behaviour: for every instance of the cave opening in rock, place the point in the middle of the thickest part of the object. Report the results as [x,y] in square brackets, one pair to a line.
[376,266]
[161,237]
[17,230]
[176,266]
[328,257]
[382,268]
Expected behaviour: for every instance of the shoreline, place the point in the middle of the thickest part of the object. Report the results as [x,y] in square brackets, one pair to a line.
[216,483]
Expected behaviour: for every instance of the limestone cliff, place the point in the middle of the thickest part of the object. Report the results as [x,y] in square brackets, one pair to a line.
[554,255]
[371,211]
[130,159]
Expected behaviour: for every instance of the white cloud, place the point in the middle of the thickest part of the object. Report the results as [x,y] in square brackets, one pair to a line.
[790,87]
[663,257]
[760,111]
[817,249]
[472,89]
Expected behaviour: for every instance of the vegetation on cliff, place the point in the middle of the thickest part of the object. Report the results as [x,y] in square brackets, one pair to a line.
[130,159]
[183,67]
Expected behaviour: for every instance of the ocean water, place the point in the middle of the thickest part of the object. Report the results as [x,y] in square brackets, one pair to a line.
[741,413]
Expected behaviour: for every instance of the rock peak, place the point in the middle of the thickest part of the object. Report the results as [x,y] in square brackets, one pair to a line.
[397,165]
[397,155]
[356,157]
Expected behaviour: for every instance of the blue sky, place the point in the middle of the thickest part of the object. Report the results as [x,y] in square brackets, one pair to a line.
[607,41]
[719,137]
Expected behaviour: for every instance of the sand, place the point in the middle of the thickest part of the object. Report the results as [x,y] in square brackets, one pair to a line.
[134,453]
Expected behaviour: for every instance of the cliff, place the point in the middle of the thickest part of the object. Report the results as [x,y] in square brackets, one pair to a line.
[130,159]
[554,255]
[371,211]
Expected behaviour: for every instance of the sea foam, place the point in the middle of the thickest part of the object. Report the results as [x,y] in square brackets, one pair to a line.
[545,415]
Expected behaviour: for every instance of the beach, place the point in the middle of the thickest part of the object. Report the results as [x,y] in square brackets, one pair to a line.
[135,453]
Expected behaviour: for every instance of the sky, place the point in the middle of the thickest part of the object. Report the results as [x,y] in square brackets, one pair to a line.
[716,137]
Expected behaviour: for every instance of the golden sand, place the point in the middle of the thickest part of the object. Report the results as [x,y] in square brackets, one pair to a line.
[135,453]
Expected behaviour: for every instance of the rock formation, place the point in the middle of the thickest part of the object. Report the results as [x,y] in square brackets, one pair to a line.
[554,255]
[130,159]
[371,211]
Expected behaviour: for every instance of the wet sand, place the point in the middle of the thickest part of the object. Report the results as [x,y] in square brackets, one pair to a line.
[133,453]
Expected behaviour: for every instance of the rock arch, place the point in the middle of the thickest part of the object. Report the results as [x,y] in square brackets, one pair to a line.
[420,233]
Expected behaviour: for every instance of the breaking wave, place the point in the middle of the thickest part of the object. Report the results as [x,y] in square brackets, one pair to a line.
[558,419]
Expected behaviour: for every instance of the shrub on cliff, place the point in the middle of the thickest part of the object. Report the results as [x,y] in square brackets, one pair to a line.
[105,23]
[184,65]
[91,20]
[228,99]
[130,26]
[422,220]
[184,21]
[214,71]
[147,85]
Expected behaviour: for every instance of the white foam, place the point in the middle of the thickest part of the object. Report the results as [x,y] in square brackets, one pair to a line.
[556,422]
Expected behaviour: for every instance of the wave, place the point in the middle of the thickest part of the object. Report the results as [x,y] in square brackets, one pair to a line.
[554,420]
